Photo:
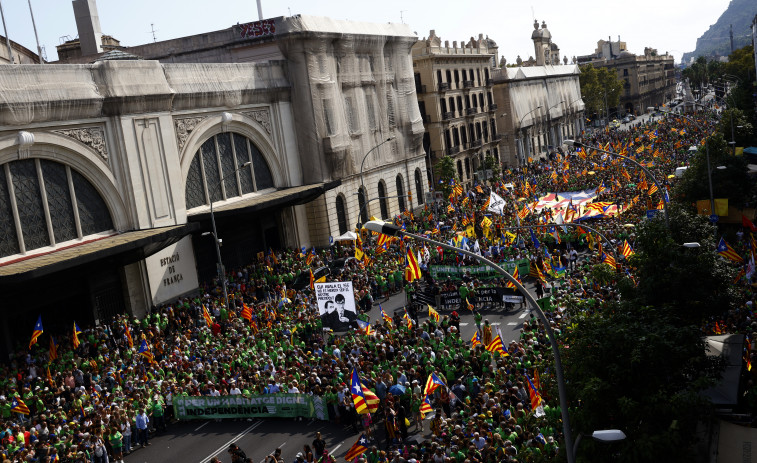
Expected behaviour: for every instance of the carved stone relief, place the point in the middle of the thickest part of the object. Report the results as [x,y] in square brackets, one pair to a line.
[262,117]
[94,137]
[184,128]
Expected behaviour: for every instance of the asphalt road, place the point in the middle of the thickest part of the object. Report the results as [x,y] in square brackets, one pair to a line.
[198,441]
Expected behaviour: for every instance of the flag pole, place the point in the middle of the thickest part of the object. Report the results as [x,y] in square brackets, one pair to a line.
[5,31]
[34,25]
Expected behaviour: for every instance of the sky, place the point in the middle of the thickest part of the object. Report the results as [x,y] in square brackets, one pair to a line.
[576,25]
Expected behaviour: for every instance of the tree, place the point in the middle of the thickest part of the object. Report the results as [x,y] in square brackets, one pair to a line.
[634,368]
[734,125]
[446,171]
[732,182]
[491,164]
[694,283]
[596,83]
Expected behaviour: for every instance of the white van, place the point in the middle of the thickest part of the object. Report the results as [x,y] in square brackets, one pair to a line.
[680,171]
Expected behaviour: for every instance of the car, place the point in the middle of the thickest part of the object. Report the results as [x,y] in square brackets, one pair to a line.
[626,120]
[614,124]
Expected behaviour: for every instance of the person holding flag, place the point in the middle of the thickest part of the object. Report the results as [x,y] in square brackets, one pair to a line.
[75,338]
[357,449]
[365,400]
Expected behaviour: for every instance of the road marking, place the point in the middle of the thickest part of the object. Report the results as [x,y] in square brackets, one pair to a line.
[311,421]
[336,448]
[201,426]
[511,324]
[495,323]
[464,324]
[523,315]
[233,439]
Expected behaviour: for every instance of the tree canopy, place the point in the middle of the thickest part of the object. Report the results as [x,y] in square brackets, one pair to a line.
[595,84]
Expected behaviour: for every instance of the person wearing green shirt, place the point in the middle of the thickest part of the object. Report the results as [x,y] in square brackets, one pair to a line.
[116,444]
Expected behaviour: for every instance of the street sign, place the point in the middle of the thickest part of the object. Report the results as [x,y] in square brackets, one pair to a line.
[714,218]
[331,240]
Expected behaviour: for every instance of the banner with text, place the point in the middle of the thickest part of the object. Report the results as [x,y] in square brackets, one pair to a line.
[256,406]
[484,295]
[481,272]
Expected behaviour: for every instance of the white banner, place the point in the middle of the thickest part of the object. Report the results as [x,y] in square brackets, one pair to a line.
[496,203]
[336,304]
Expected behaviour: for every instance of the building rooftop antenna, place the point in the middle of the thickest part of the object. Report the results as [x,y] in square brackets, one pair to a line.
[402,19]
[153,31]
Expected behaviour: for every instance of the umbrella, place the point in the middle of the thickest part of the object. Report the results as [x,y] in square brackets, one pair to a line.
[397,389]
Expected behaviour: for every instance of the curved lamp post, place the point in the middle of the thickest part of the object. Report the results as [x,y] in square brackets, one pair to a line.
[549,121]
[632,161]
[602,435]
[362,184]
[520,127]
[393,230]
[221,272]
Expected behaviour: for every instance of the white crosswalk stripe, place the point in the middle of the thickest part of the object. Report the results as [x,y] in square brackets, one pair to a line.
[511,324]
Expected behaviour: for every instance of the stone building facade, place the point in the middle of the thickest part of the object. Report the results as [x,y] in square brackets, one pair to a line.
[111,169]
[456,101]
[648,79]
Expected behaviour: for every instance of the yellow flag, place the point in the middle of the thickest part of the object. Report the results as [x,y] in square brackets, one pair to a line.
[358,254]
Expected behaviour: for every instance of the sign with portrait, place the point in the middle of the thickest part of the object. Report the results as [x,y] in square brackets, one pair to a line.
[336,304]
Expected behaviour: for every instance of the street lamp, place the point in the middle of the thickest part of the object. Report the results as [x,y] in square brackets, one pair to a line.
[632,161]
[520,127]
[221,272]
[602,435]
[392,230]
[362,184]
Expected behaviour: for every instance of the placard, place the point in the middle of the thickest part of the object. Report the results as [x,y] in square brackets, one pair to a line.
[336,304]
[172,271]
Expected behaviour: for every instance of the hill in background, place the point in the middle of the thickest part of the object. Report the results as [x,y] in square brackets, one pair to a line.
[716,40]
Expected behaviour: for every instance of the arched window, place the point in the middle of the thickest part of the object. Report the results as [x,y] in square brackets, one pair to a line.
[341,214]
[74,209]
[467,167]
[219,158]
[361,204]
[382,199]
[418,186]
[400,193]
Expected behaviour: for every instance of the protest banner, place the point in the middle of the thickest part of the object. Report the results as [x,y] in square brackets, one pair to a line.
[256,406]
[336,304]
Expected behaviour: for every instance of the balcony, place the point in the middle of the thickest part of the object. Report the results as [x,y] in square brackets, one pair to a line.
[467,84]
[453,150]
[476,143]
[492,107]
[448,115]
[497,137]
[426,118]
[443,86]
[489,82]
[420,89]
[471,111]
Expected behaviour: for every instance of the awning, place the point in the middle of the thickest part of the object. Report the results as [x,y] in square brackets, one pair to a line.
[281,198]
[125,247]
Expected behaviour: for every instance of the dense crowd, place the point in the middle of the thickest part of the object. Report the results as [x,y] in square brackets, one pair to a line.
[103,399]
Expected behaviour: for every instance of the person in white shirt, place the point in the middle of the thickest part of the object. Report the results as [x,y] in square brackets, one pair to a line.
[235,389]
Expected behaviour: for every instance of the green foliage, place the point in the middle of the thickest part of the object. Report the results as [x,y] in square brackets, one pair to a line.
[693,282]
[603,274]
[732,182]
[734,125]
[595,83]
[445,169]
[636,369]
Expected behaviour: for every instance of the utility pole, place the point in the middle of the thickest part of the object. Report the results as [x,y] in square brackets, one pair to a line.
[7,39]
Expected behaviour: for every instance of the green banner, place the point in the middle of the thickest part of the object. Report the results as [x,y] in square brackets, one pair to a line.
[482,272]
[235,406]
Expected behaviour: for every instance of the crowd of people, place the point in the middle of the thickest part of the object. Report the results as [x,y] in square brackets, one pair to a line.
[108,396]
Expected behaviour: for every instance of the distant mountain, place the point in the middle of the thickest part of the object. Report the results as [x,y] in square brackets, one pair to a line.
[716,41]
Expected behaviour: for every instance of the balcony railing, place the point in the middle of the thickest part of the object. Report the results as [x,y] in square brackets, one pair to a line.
[476,143]
[467,84]
[493,107]
[420,89]
[448,115]
[443,86]
[489,82]
[426,118]
[496,137]
[471,111]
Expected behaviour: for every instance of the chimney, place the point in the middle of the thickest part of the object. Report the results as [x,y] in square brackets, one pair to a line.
[88,25]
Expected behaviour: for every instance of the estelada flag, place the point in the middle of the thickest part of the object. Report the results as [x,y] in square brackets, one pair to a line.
[476,340]
[627,250]
[127,332]
[53,349]
[144,351]
[37,332]
[533,394]
[725,250]
[357,449]
[18,406]
[386,317]
[432,383]
[77,332]
[206,316]
[426,407]
[365,400]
